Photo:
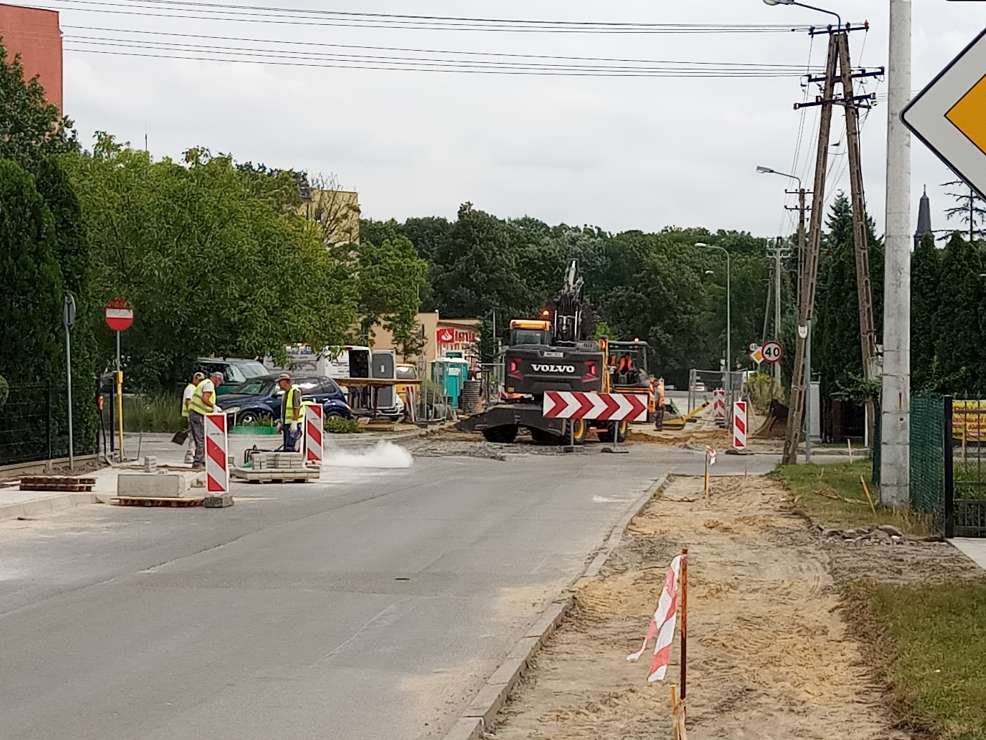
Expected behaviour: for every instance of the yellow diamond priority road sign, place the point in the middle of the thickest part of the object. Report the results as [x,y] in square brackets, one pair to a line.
[949,115]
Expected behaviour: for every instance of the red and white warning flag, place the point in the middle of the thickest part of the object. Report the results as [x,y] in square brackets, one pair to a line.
[710,454]
[662,625]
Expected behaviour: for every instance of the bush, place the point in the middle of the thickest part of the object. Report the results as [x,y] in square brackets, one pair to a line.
[160,413]
[338,425]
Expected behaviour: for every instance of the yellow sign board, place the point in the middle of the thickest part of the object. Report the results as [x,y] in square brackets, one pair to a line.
[969,114]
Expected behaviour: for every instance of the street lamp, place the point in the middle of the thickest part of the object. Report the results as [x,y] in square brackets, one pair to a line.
[729,325]
[768,171]
[802,5]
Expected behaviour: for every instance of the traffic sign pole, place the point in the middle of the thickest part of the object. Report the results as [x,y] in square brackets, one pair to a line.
[119,318]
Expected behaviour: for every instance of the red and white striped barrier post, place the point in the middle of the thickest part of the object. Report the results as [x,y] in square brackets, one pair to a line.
[661,630]
[314,436]
[216,462]
[719,405]
[740,425]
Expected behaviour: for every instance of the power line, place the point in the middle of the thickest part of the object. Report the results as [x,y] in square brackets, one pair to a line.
[210,54]
[353,19]
[789,68]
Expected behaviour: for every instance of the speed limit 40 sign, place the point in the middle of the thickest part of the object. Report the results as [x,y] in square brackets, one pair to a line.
[772,352]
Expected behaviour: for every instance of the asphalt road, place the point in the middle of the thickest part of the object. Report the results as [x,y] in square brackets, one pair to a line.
[370,605]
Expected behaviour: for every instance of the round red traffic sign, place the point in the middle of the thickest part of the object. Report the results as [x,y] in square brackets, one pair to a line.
[772,352]
[119,315]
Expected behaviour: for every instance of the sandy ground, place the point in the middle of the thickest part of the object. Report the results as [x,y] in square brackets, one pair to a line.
[770,655]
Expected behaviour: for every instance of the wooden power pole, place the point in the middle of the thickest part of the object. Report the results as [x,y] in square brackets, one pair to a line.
[838,69]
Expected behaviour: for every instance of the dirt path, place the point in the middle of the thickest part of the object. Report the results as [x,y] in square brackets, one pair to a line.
[769,653]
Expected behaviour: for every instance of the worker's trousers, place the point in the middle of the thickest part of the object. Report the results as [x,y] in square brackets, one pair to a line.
[196,423]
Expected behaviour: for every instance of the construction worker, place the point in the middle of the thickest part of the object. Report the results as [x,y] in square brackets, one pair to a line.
[291,412]
[661,402]
[186,404]
[203,402]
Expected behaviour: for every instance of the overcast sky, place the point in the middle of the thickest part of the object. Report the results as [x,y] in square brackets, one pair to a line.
[631,153]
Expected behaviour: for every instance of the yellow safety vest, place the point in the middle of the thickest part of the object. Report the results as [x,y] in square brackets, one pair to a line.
[198,402]
[288,417]
[184,410]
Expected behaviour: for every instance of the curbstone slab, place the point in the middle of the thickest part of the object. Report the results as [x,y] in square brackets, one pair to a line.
[150,485]
[47,505]
[467,728]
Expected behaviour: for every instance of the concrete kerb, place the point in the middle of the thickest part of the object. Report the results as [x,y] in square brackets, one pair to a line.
[482,711]
[46,505]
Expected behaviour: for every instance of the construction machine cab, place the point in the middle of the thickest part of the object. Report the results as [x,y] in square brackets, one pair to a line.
[628,364]
[529,332]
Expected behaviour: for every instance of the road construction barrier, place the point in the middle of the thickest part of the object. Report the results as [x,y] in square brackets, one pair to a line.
[595,406]
[314,436]
[740,425]
[216,455]
[719,405]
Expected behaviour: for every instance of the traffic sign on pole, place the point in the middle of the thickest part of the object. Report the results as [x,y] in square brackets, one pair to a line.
[119,315]
[949,115]
[757,355]
[590,405]
[772,352]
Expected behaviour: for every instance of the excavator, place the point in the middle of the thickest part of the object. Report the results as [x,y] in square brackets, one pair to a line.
[558,352]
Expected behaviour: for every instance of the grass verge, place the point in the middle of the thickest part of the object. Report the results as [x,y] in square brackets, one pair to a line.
[929,644]
[832,496]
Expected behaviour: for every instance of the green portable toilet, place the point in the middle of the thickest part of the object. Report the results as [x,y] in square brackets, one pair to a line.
[449,373]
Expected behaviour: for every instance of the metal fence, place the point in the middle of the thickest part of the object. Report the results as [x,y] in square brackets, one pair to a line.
[27,431]
[965,468]
[927,458]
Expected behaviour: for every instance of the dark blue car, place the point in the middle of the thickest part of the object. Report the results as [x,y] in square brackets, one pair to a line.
[259,399]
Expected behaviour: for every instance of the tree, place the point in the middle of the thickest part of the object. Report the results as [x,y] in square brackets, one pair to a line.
[209,257]
[390,277]
[31,129]
[958,334]
[837,354]
[71,250]
[969,208]
[925,299]
[31,301]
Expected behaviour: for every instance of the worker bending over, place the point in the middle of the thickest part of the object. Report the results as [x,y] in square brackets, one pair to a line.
[186,409]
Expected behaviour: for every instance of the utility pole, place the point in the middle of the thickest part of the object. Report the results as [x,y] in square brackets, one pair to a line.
[838,58]
[895,407]
[777,252]
[806,302]
[802,209]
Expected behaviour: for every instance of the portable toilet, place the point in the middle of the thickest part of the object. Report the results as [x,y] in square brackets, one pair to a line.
[449,373]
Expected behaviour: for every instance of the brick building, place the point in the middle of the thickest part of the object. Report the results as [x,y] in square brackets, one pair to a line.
[34,34]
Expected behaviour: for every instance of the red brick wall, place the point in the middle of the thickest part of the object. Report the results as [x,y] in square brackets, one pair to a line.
[35,35]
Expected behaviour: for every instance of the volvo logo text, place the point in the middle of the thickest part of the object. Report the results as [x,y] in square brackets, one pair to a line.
[569,369]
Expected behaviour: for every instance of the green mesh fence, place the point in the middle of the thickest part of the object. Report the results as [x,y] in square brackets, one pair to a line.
[928,455]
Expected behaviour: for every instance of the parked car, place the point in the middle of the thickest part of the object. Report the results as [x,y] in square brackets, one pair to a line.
[259,399]
[236,372]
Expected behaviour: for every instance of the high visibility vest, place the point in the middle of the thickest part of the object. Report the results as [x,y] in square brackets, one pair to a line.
[288,415]
[184,410]
[198,404]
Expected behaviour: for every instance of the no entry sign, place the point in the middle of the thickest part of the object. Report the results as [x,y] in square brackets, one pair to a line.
[119,315]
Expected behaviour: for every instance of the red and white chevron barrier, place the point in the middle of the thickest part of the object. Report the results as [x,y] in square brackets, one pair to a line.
[740,425]
[719,404]
[599,406]
[216,451]
[314,435]
[662,625]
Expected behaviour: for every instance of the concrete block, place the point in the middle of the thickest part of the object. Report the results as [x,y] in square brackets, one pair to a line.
[219,502]
[150,485]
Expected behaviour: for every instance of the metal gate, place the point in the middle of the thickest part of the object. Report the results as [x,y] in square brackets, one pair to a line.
[965,467]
